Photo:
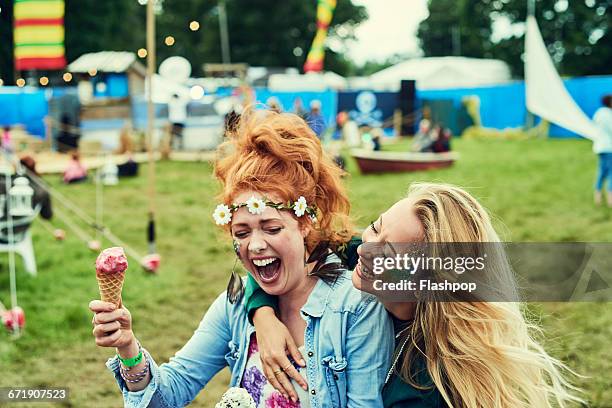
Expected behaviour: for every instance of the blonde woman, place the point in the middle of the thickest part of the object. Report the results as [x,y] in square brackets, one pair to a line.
[458,354]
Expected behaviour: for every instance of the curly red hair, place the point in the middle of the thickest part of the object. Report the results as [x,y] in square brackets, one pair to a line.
[278,153]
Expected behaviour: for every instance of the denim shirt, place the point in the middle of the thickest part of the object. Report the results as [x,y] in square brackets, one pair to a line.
[348,342]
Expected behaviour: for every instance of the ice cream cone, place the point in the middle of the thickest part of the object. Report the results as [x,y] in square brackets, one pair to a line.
[110,273]
[110,286]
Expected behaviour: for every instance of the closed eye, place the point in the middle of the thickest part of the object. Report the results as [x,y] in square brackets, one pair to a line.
[373,228]
[241,234]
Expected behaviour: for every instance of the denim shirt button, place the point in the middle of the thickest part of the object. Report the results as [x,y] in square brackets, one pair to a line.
[313,392]
[336,377]
[310,354]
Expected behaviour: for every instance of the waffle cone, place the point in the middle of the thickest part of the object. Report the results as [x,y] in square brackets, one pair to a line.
[110,286]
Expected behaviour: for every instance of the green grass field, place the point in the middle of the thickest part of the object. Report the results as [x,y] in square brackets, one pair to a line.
[537,190]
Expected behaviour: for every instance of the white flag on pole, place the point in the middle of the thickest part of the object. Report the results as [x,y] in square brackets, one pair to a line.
[545,93]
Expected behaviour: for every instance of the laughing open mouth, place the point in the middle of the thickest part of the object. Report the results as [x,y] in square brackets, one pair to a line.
[268,269]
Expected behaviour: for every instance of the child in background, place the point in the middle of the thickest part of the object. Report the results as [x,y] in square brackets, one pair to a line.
[75,172]
[6,138]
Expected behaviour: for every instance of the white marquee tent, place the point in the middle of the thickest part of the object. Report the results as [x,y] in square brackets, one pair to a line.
[442,73]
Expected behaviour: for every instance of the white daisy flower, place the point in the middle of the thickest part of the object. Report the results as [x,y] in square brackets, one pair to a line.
[299,208]
[222,214]
[255,205]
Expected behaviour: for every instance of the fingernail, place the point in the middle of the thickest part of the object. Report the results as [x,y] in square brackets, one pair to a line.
[302,362]
[305,387]
[293,399]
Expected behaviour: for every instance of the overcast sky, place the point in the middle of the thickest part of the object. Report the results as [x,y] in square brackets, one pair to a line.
[390,29]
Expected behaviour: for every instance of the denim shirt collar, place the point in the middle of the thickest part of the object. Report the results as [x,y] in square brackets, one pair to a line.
[317,301]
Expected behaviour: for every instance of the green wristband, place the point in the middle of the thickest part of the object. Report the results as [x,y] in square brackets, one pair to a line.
[131,362]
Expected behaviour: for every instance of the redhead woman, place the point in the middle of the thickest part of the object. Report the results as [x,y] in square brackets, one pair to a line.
[457,354]
[283,203]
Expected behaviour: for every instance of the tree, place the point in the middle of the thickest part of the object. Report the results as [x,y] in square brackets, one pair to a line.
[576,33]
[90,26]
[456,27]
[109,25]
[261,33]
[264,33]
[6,45]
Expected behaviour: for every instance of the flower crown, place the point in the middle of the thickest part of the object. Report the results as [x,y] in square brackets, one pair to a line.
[256,206]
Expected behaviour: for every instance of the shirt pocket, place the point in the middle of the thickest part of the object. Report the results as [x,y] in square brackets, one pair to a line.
[335,377]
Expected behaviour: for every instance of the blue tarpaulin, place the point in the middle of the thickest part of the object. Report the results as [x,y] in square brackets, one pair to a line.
[503,106]
[24,106]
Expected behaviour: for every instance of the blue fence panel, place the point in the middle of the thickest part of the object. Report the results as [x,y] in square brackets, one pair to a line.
[24,106]
[503,106]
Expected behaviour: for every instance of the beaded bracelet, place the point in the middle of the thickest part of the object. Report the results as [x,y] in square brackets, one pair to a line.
[137,377]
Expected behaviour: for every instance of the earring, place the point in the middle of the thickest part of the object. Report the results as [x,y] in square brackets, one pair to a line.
[235,287]
[236,246]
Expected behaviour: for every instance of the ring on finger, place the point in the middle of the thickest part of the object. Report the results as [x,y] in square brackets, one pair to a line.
[277,372]
[288,366]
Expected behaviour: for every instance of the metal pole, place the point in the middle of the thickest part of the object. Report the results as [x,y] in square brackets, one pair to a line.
[530,7]
[530,118]
[456,35]
[225,46]
[99,205]
[151,120]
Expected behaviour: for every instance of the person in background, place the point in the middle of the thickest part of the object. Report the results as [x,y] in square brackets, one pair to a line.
[422,141]
[316,121]
[41,199]
[602,146]
[128,168]
[75,172]
[6,139]
[126,145]
[177,114]
[68,136]
[349,130]
[376,138]
[298,108]
[41,195]
[442,138]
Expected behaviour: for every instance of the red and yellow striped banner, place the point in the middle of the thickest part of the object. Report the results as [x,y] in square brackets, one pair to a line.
[325,12]
[39,34]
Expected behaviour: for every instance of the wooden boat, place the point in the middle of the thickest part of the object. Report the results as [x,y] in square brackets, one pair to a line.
[395,162]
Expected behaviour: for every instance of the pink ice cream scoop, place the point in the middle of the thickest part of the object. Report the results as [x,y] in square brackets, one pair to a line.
[110,273]
[111,261]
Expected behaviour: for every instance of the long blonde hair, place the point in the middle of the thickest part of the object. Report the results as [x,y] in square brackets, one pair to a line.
[478,354]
